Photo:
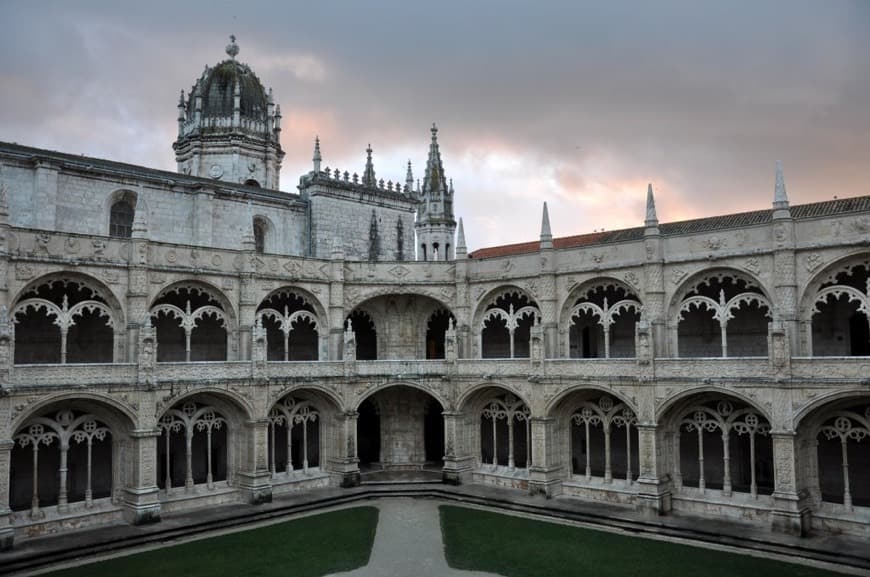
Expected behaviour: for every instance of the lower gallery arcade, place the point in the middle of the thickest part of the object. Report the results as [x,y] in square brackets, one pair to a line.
[82,457]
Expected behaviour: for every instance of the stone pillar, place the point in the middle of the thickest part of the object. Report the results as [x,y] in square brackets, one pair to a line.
[785,306]
[654,493]
[346,464]
[457,463]
[146,357]
[336,303]
[654,305]
[247,312]
[791,510]
[545,473]
[258,351]
[255,479]
[6,532]
[141,497]
[547,302]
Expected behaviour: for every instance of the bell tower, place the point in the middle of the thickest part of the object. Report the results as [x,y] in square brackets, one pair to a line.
[435,226]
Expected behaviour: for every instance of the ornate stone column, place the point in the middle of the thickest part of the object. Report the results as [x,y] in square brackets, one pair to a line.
[545,474]
[346,463]
[784,268]
[654,492]
[6,532]
[457,462]
[255,478]
[791,509]
[654,305]
[336,303]
[141,497]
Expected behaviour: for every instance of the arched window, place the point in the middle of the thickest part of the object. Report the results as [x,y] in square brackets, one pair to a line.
[193,448]
[121,217]
[260,235]
[252,182]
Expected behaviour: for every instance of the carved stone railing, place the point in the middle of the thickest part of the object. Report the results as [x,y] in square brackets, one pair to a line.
[203,371]
[819,369]
[73,374]
[712,368]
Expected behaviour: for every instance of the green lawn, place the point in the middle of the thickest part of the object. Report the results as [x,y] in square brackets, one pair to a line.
[516,547]
[307,547]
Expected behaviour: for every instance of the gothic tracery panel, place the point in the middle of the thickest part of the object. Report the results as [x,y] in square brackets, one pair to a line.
[840,311]
[724,314]
[191,324]
[193,447]
[602,322]
[505,327]
[292,327]
[63,321]
[505,433]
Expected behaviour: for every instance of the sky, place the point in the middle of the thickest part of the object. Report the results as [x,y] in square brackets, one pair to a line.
[579,104]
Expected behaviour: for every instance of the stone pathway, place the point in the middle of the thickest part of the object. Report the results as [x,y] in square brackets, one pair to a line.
[408,543]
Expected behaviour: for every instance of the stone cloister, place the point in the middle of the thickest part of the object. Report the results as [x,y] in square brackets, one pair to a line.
[179,340]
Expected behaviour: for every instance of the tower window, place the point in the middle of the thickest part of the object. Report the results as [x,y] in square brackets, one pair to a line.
[121,218]
[259,236]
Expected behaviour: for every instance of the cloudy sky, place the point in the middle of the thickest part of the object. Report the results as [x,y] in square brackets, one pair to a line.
[579,104]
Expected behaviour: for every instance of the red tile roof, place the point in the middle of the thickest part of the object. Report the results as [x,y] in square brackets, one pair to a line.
[694,226]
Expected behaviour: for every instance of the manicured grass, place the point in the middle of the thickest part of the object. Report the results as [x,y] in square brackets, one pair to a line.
[516,547]
[307,547]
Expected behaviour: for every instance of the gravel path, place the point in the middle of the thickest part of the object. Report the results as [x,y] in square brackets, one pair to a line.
[408,543]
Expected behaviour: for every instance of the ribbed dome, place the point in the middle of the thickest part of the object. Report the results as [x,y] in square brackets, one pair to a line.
[216,86]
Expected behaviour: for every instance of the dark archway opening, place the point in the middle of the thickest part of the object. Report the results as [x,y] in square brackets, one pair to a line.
[366,336]
[433,432]
[368,436]
[859,335]
[435,334]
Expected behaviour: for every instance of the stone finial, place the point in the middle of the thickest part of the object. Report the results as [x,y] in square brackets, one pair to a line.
[140,219]
[546,234]
[232,48]
[651,218]
[780,197]
[461,248]
[409,179]
[317,158]
[368,178]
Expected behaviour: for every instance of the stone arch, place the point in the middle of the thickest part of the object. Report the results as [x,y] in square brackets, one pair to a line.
[710,301]
[400,425]
[400,321]
[203,440]
[434,393]
[357,298]
[119,414]
[327,396]
[667,405]
[497,424]
[833,455]
[288,310]
[502,323]
[190,317]
[132,197]
[552,405]
[67,317]
[226,399]
[595,431]
[834,308]
[840,397]
[268,231]
[614,308]
[68,451]
[303,425]
[717,440]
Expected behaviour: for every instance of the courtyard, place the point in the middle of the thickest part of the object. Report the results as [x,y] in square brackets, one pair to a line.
[428,537]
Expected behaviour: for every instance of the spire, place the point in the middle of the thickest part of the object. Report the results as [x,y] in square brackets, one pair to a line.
[140,219]
[368,178]
[434,183]
[461,249]
[546,235]
[409,179]
[651,218]
[232,48]
[780,198]
[317,158]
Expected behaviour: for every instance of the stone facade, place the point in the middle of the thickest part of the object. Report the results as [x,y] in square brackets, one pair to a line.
[716,367]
